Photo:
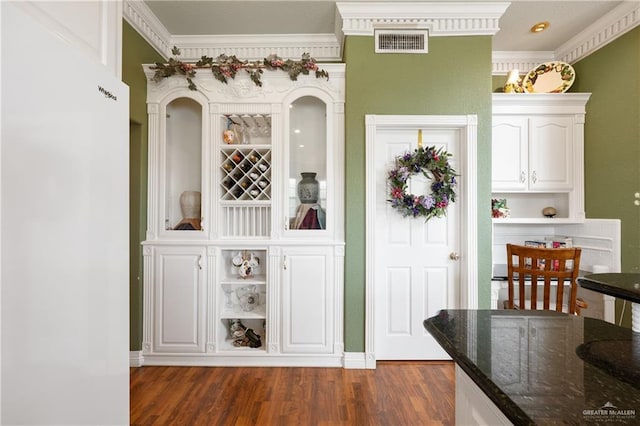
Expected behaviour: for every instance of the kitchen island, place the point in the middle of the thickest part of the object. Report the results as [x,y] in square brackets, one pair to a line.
[540,367]
[624,286]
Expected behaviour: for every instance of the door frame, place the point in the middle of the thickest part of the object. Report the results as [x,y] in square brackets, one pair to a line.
[467,196]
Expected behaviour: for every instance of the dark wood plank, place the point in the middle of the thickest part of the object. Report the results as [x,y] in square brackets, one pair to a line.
[395,393]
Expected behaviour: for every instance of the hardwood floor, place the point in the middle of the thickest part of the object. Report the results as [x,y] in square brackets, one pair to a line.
[395,393]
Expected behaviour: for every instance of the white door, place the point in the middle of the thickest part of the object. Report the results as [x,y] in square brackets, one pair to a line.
[416,273]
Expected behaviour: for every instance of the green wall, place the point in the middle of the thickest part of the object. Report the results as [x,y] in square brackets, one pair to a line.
[453,78]
[612,140]
[135,52]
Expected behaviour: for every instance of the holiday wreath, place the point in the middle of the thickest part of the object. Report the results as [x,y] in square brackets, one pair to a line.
[433,164]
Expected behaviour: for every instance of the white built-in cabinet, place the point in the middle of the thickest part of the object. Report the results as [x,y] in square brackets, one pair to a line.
[238,268]
[308,299]
[538,155]
[179,301]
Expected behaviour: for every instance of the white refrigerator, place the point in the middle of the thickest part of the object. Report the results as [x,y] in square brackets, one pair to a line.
[64,197]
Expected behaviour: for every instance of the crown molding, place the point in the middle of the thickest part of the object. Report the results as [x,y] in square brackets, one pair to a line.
[440,18]
[505,61]
[143,20]
[614,24]
[322,47]
[609,27]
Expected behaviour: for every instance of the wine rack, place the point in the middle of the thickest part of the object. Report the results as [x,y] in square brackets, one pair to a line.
[246,174]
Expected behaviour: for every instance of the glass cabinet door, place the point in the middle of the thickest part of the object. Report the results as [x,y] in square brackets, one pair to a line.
[183,165]
[307,185]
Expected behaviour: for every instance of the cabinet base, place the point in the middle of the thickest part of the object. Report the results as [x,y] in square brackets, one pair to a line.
[244,360]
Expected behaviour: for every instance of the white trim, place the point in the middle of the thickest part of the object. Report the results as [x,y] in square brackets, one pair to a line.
[619,21]
[440,18]
[143,20]
[243,359]
[354,360]
[322,47]
[540,103]
[505,61]
[136,359]
[468,297]
[614,24]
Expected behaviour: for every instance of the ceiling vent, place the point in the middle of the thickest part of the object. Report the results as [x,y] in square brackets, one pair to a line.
[401,41]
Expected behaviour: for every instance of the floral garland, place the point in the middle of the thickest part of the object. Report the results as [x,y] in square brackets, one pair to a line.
[224,67]
[433,164]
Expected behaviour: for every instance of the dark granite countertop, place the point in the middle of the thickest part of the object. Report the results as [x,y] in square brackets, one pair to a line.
[544,367]
[624,286]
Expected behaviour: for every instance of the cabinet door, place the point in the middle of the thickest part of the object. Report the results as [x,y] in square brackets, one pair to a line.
[509,154]
[552,370]
[306,204]
[307,300]
[179,299]
[509,371]
[550,153]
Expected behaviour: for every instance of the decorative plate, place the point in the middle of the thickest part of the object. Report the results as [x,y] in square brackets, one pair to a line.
[550,77]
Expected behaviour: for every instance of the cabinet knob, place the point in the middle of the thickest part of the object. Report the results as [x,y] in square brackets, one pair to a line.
[522,177]
[454,256]
[534,177]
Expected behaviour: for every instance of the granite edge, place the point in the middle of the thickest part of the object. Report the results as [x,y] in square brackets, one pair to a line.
[506,405]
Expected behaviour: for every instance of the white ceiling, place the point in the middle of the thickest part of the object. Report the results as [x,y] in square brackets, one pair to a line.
[220,17]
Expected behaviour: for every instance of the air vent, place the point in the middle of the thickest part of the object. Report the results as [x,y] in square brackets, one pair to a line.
[401,41]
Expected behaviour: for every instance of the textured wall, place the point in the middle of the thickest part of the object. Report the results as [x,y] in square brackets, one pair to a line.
[453,78]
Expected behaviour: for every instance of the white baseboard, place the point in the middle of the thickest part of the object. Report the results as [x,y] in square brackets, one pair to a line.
[355,360]
[136,359]
[352,360]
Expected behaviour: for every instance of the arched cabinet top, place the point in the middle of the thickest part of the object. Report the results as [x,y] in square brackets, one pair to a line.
[168,95]
[276,87]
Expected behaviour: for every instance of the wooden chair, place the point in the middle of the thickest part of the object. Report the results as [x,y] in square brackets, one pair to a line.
[550,266]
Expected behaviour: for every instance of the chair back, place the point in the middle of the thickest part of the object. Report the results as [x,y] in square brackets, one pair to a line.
[545,267]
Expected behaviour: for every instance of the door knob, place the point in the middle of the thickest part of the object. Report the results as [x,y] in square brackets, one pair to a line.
[454,256]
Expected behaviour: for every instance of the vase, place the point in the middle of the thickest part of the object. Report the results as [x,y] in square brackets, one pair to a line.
[190,204]
[308,188]
[248,298]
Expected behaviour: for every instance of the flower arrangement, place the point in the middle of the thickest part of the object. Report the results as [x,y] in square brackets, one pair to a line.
[499,208]
[433,164]
[224,67]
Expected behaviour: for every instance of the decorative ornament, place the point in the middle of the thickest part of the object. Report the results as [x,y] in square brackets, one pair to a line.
[224,67]
[433,164]
[549,212]
[499,208]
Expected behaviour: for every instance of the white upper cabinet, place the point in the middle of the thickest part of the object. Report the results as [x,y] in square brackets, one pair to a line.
[532,153]
[538,156]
